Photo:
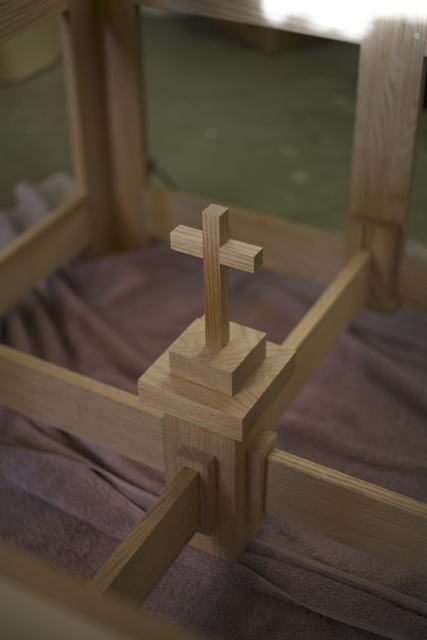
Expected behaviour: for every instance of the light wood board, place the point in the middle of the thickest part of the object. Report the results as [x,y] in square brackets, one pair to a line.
[295,249]
[144,556]
[17,16]
[81,406]
[41,249]
[126,127]
[320,328]
[347,509]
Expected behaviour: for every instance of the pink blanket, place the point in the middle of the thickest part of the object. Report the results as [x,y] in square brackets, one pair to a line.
[364,412]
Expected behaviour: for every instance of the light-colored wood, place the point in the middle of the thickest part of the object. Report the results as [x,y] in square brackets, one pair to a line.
[125,111]
[235,254]
[82,406]
[295,249]
[290,248]
[144,556]
[320,328]
[231,416]
[215,277]
[383,240]
[233,531]
[224,370]
[347,509]
[205,464]
[258,450]
[389,98]
[17,16]
[41,249]
[83,43]
[37,601]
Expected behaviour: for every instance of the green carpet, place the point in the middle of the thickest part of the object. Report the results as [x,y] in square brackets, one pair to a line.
[268,132]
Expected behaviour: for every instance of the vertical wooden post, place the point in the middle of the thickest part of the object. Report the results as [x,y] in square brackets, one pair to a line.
[215,275]
[391,74]
[126,125]
[84,76]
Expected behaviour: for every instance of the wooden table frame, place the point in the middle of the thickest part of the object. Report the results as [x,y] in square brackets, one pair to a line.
[116,209]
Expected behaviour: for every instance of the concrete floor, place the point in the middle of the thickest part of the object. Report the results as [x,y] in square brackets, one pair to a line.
[268,132]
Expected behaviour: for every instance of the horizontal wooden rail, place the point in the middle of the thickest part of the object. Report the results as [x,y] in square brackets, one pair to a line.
[295,249]
[320,328]
[41,249]
[155,542]
[82,406]
[17,16]
[351,511]
[37,601]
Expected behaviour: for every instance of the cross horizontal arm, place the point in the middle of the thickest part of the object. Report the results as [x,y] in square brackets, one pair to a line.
[233,253]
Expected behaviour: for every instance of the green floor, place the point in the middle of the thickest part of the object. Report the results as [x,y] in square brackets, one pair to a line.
[271,133]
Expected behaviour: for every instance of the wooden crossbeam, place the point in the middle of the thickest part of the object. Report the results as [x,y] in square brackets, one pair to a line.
[82,406]
[155,542]
[347,509]
[41,249]
[17,16]
[320,328]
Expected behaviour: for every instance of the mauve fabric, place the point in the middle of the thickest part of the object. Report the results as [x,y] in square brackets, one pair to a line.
[364,412]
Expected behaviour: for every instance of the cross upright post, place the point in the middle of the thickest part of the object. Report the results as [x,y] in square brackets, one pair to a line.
[215,277]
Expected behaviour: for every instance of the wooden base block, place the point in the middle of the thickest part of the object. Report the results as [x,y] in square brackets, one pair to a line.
[230,416]
[224,370]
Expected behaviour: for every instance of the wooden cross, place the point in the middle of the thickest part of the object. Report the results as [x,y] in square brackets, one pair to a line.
[218,253]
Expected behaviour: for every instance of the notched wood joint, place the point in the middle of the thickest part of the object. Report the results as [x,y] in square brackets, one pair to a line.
[257,452]
[206,465]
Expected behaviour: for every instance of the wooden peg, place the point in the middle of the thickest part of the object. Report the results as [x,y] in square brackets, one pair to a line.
[205,464]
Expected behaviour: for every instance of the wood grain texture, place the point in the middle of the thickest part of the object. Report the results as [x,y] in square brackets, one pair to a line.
[215,277]
[42,249]
[320,328]
[235,254]
[83,41]
[126,126]
[231,416]
[233,531]
[17,16]
[224,370]
[257,452]
[206,466]
[383,240]
[347,509]
[297,250]
[144,556]
[289,248]
[389,101]
[81,406]
[38,601]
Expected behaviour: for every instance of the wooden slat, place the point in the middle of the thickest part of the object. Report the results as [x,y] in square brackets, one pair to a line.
[41,249]
[233,253]
[155,542]
[294,249]
[348,510]
[37,601]
[17,16]
[82,42]
[82,406]
[320,328]
[126,126]
[290,248]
